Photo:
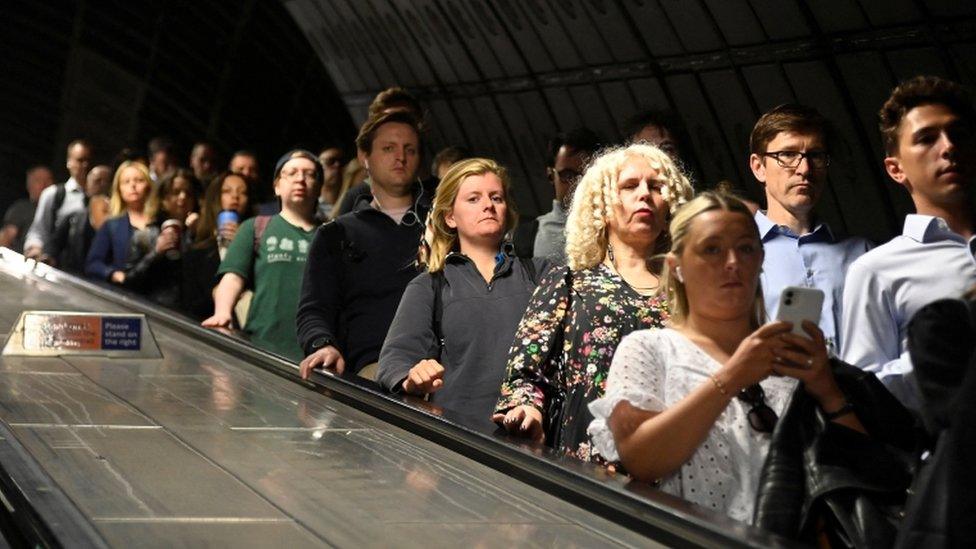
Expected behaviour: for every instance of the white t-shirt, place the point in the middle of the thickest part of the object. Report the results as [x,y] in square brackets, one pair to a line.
[654,370]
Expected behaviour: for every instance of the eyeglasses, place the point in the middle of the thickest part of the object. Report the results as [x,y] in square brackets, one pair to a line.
[761,417]
[298,174]
[791,159]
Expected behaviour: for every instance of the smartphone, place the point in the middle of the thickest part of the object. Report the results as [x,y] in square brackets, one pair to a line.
[797,304]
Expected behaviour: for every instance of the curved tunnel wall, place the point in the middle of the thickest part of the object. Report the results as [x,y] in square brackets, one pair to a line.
[239,74]
[502,76]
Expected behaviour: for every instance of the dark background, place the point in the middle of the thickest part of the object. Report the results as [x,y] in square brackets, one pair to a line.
[239,74]
[498,76]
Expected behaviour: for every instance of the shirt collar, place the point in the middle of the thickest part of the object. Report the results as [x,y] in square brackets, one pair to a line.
[557,206]
[72,185]
[926,228]
[769,230]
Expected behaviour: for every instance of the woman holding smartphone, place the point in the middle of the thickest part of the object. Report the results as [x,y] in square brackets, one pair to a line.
[691,406]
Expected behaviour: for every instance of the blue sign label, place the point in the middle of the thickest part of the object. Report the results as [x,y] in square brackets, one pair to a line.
[121,333]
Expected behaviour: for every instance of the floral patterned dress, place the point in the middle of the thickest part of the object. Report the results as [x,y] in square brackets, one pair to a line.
[563,348]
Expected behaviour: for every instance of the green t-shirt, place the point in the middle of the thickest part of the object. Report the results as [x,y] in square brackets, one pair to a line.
[276,276]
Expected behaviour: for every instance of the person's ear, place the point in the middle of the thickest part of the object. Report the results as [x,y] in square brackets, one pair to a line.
[758,167]
[671,261]
[551,176]
[896,172]
[449,219]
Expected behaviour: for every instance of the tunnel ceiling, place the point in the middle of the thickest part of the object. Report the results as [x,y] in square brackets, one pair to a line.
[502,76]
[238,73]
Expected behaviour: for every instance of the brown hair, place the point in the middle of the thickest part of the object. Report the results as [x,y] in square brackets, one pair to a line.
[364,141]
[788,117]
[921,90]
[210,206]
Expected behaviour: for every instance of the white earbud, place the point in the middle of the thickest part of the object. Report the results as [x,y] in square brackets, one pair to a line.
[678,275]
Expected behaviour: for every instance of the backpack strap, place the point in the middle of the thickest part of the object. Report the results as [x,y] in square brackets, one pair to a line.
[529,267]
[437,284]
[60,192]
[260,225]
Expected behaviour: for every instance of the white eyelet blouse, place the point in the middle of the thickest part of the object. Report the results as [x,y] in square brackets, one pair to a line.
[653,370]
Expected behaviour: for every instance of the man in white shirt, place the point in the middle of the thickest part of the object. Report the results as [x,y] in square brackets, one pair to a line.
[58,202]
[928,127]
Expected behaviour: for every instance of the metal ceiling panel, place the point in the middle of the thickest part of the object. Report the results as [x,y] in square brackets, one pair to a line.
[649,95]
[523,35]
[337,55]
[446,38]
[371,51]
[577,25]
[736,21]
[889,12]
[781,20]
[562,48]
[427,42]
[495,36]
[617,29]
[768,85]
[655,29]
[390,41]
[563,107]
[838,15]
[906,63]
[692,25]
[471,45]
[407,49]
[594,110]
[444,116]
[621,106]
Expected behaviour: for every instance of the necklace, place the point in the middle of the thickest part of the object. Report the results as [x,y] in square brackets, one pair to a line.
[639,289]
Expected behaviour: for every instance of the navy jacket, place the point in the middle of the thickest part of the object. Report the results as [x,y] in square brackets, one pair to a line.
[110,249]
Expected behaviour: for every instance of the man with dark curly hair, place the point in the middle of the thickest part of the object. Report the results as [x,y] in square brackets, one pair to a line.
[928,127]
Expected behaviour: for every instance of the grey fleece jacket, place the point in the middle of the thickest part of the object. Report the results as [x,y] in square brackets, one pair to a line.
[478,324]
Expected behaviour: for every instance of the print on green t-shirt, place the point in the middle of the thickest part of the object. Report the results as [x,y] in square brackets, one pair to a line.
[275,274]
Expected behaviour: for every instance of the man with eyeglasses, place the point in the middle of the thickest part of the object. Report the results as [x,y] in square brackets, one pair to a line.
[568,154]
[360,264]
[790,157]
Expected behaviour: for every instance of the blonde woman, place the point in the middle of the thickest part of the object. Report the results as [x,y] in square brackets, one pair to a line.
[131,210]
[435,346]
[692,406]
[564,344]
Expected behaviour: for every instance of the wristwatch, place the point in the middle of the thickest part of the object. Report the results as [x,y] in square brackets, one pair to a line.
[321,341]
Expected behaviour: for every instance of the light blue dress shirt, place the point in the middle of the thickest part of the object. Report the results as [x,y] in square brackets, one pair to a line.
[814,260]
[888,285]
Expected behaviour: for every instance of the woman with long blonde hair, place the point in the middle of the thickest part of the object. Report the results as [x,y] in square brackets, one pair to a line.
[435,346]
[692,405]
[617,222]
[132,208]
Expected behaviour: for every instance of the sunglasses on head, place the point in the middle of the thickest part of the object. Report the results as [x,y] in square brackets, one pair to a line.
[761,417]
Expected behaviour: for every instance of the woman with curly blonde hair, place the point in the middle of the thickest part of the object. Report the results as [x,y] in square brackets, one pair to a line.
[435,346]
[617,224]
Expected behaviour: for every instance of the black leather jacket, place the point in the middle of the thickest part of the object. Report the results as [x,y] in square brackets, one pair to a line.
[817,469]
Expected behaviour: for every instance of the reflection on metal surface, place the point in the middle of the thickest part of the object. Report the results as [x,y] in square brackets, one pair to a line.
[56,333]
[198,448]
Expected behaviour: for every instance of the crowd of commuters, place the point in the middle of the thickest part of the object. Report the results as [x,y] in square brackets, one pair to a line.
[632,326]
